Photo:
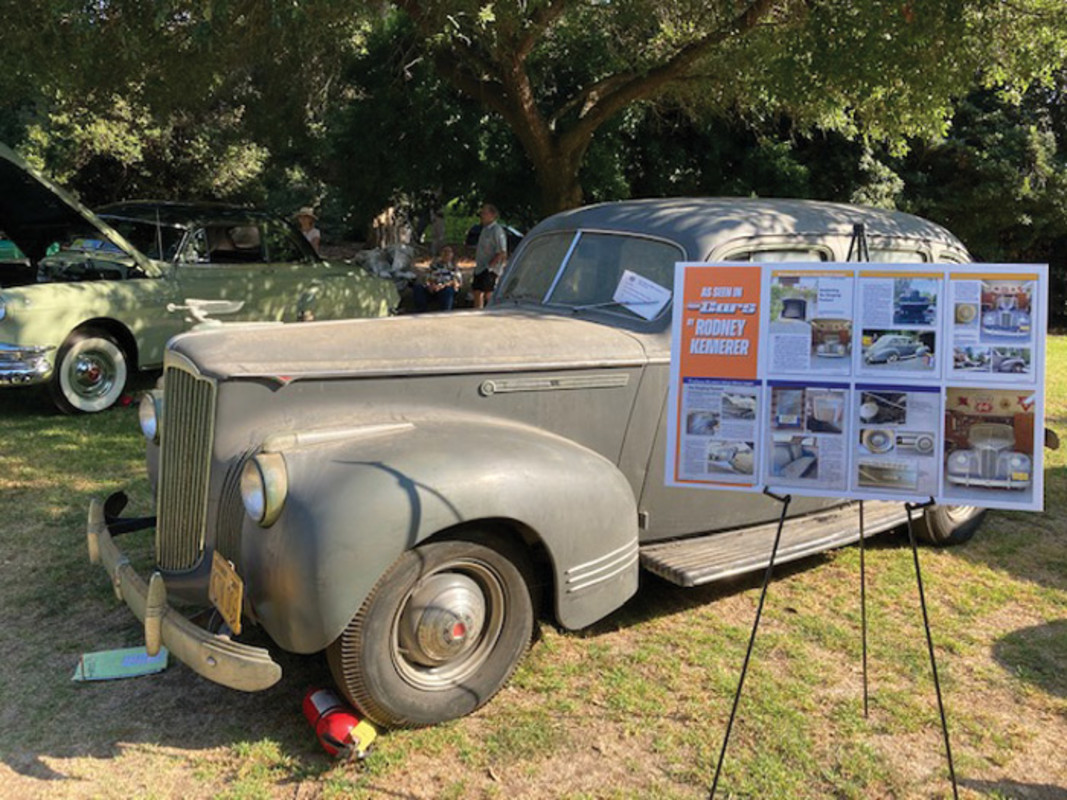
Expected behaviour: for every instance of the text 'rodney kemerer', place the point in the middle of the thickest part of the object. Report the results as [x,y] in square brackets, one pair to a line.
[719,336]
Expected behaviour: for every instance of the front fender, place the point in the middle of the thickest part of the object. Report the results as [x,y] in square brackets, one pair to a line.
[354,506]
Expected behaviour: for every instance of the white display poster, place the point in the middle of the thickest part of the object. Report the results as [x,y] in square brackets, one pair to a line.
[880,381]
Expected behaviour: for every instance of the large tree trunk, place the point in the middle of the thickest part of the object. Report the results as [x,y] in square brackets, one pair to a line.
[557,180]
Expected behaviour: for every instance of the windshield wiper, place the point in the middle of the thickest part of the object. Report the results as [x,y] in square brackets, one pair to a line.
[609,303]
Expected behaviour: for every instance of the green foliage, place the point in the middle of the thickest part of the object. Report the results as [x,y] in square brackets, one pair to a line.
[999,180]
[222,99]
[559,72]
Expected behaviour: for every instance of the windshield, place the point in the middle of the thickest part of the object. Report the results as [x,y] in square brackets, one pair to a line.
[618,272]
[159,242]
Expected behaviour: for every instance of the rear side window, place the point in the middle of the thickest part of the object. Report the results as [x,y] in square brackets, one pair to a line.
[282,245]
[233,244]
[889,256]
[778,256]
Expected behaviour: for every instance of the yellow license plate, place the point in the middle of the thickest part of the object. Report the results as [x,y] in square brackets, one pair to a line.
[225,591]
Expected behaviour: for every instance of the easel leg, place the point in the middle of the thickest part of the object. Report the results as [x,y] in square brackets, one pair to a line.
[752,637]
[909,507]
[863,609]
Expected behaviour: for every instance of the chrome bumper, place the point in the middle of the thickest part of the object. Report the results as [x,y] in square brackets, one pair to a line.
[21,366]
[218,658]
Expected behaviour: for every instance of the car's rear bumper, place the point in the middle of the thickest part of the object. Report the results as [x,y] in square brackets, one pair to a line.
[218,658]
[22,365]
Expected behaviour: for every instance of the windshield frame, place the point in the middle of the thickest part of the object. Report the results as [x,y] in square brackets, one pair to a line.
[615,311]
[155,225]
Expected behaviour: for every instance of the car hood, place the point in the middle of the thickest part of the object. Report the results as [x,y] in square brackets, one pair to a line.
[508,340]
[34,212]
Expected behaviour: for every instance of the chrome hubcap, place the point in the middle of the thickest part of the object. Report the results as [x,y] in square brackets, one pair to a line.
[443,619]
[92,374]
[449,625]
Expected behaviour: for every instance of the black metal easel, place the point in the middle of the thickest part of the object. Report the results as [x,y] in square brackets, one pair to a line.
[863,609]
[909,508]
[857,251]
[752,637]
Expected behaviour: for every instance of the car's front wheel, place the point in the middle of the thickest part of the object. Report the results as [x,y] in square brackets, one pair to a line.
[945,525]
[439,635]
[90,372]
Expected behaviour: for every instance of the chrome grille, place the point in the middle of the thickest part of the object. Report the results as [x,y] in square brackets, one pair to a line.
[231,515]
[185,467]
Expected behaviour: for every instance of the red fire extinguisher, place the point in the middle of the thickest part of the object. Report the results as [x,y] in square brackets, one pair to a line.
[341,733]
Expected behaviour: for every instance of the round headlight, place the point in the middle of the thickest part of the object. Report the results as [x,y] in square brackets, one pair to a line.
[148,413]
[264,484]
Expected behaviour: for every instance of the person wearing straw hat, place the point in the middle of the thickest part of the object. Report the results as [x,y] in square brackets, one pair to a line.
[306,219]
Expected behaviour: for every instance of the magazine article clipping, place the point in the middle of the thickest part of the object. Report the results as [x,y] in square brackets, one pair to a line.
[881,381]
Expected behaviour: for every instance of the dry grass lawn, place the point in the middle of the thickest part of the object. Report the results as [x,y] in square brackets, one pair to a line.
[634,707]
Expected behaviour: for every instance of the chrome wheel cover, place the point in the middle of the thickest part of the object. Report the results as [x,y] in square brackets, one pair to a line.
[448,625]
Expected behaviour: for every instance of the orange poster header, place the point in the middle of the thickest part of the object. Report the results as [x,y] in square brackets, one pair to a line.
[720,322]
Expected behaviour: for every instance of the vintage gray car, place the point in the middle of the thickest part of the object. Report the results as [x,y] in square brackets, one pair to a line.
[409,494]
[96,296]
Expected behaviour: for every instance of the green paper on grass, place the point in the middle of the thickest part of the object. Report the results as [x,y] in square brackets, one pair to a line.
[108,665]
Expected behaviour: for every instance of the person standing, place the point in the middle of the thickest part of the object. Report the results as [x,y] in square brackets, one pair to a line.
[306,219]
[490,255]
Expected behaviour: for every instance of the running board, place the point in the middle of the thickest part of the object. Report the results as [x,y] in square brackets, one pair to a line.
[703,559]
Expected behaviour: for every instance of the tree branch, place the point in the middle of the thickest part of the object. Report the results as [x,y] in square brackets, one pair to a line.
[608,96]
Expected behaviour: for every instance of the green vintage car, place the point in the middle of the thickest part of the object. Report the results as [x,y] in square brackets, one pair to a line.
[97,296]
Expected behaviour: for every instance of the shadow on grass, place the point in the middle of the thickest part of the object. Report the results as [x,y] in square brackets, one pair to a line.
[173,709]
[1037,655]
[33,402]
[1030,546]
[1023,791]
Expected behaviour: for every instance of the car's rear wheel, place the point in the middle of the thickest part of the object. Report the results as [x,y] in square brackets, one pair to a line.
[945,525]
[90,372]
[439,635]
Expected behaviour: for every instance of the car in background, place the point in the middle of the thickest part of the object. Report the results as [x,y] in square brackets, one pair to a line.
[97,296]
[894,347]
[410,494]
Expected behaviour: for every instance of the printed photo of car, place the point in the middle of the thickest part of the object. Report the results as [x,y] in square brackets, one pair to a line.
[1011,359]
[893,347]
[915,301]
[971,359]
[990,460]
[1006,308]
[831,338]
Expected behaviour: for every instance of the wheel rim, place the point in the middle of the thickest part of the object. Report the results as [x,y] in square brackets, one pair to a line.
[958,514]
[448,625]
[93,374]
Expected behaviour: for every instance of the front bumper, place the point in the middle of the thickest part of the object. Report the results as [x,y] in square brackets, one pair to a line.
[23,365]
[218,658]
